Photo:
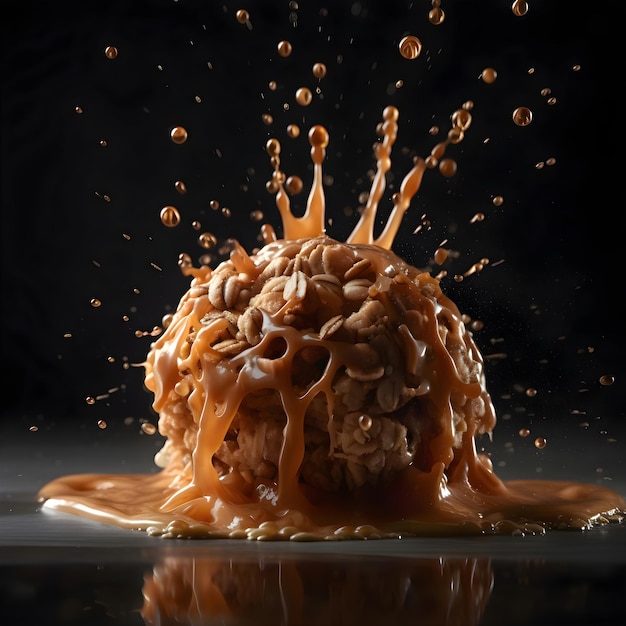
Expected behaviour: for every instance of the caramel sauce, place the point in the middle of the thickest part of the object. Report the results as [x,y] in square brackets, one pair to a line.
[320,390]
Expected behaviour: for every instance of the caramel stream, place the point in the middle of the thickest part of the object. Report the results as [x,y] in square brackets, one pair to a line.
[324,390]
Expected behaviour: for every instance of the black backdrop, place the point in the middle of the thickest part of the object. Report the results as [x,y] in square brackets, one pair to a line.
[80,220]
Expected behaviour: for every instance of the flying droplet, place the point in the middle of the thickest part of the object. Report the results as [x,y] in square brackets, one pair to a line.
[489,75]
[304,96]
[180,186]
[148,428]
[498,200]
[110,52]
[178,134]
[540,442]
[410,47]
[436,16]
[293,131]
[522,116]
[607,380]
[294,185]
[207,240]
[242,16]
[447,167]
[519,8]
[319,70]
[284,48]
[524,432]
[170,216]
[462,119]
[102,424]
[95,303]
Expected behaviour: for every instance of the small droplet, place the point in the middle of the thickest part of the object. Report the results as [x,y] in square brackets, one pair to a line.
[497,200]
[272,85]
[531,392]
[410,47]
[607,380]
[522,116]
[540,442]
[294,185]
[461,119]
[102,424]
[524,432]
[284,48]
[90,400]
[78,110]
[436,16]
[148,428]
[477,217]
[293,131]
[519,8]
[441,255]
[365,422]
[242,16]
[489,75]
[170,216]
[180,186]
[319,70]
[110,52]
[207,240]
[304,96]
[34,429]
[95,303]
[256,216]
[268,120]
[447,167]
[178,134]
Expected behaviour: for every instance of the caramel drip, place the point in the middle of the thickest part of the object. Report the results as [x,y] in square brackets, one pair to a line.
[312,223]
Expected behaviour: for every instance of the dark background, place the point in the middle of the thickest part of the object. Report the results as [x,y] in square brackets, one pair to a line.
[81,220]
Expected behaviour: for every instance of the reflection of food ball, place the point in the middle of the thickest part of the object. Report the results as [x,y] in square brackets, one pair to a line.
[319,362]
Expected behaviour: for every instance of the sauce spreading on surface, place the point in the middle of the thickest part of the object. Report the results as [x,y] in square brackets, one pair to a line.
[325,390]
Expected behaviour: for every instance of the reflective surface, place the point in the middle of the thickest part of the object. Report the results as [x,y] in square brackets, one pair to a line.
[61,569]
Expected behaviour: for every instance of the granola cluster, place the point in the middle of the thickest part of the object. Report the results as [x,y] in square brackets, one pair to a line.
[367,344]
